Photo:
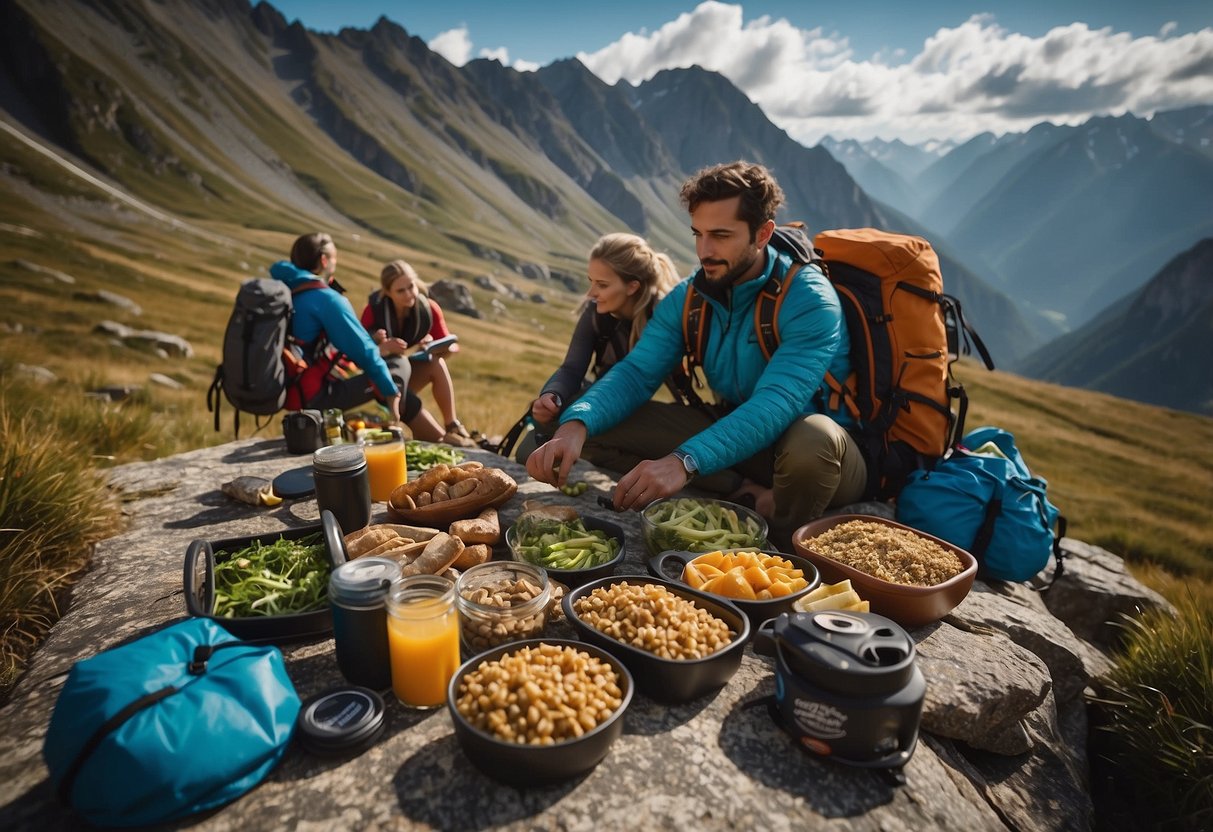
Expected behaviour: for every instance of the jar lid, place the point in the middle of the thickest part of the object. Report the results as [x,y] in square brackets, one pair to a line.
[341,720]
[336,459]
[364,581]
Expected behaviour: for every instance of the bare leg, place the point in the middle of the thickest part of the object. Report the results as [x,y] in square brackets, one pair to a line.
[438,374]
[426,428]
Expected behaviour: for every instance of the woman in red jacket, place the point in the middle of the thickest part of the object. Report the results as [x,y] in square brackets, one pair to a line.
[401,317]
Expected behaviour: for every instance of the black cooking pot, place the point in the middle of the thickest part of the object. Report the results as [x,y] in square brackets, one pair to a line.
[846,685]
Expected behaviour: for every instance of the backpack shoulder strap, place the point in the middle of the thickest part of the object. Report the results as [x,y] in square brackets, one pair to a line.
[766,310]
[695,316]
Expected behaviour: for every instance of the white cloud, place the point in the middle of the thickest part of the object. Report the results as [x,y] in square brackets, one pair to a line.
[500,54]
[974,77]
[454,44]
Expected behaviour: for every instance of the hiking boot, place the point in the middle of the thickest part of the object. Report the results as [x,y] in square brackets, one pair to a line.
[456,427]
[452,438]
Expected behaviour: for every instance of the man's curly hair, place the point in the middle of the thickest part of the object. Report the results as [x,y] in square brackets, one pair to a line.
[760,194]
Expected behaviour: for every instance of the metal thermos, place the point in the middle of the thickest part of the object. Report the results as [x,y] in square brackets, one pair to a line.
[357,592]
[343,485]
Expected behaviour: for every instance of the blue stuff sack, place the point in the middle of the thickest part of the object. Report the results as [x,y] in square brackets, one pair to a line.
[179,721]
[983,498]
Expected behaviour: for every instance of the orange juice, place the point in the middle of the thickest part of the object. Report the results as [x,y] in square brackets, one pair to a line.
[423,639]
[386,466]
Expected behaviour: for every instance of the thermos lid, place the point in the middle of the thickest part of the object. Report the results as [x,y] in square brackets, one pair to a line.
[341,720]
[337,459]
[846,652]
[363,582]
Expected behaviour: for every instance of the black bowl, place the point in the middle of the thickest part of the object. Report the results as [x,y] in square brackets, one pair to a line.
[756,611]
[577,577]
[271,629]
[668,680]
[530,765]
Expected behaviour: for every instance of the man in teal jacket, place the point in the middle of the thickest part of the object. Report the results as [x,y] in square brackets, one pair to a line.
[322,315]
[775,442]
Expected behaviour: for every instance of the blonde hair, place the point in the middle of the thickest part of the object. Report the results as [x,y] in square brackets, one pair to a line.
[630,257]
[395,269]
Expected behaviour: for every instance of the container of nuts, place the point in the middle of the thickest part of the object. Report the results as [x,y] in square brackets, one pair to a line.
[678,643]
[501,602]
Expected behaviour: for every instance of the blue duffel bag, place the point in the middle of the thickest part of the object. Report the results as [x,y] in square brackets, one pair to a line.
[983,498]
[179,721]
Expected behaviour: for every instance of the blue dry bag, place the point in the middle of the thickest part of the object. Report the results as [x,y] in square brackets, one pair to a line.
[179,721]
[983,498]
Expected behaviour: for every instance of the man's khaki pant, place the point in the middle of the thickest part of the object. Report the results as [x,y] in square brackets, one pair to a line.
[813,466]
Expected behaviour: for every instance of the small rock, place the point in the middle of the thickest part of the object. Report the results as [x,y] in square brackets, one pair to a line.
[537,297]
[53,274]
[38,374]
[114,392]
[15,328]
[103,296]
[533,271]
[165,381]
[454,296]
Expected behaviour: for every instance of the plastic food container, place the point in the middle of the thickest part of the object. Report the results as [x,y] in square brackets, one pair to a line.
[494,607]
[199,586]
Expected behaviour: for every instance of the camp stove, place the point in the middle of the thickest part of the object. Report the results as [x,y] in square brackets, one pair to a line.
[846,685]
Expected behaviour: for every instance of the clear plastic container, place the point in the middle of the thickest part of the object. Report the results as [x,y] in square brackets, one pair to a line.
[500,602]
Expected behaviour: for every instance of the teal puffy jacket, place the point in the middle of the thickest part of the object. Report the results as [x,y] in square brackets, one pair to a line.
[767,396]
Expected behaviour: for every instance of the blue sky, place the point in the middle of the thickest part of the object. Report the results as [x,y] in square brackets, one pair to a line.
[893,68]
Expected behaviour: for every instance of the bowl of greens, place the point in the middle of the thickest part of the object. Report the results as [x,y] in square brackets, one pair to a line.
[701,524]
[574,549]
[269,588]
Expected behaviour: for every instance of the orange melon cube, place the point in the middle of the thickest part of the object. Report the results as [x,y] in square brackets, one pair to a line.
[779,589]
[710,559]
[757,577]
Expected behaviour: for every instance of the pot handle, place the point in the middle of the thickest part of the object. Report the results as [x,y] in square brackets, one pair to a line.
[333,539]
[199,598]
[764,638]
[656,564]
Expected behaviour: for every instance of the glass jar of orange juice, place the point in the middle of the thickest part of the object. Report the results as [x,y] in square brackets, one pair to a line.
[385,461]
[423,639]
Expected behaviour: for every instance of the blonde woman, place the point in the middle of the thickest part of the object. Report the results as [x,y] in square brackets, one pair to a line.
[627,278]
[401,316]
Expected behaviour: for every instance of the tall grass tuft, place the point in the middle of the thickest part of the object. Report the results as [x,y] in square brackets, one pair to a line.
[1158,710]
[53,508]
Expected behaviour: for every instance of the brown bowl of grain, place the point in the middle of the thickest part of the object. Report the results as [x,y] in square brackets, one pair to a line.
[909,576]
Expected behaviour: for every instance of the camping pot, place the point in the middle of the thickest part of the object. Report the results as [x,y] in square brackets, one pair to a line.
[846,685]
[303,431]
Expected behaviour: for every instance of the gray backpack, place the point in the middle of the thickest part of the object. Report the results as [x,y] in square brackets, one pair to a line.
[258,364]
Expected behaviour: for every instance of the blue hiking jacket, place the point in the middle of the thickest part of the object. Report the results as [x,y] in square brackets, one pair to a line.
[766,396]
[326,312]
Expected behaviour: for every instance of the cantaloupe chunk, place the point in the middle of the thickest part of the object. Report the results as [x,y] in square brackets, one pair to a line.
[732,584]
[710,559]
[709,571]
[779,589]
[758,578]
[765,595]
[692,577]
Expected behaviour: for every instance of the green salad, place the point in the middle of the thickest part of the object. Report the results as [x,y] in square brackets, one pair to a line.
[286,576]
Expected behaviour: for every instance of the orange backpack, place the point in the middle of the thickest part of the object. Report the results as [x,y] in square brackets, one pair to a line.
[903,331]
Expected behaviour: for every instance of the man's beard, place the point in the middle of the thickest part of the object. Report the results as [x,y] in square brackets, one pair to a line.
[734,274]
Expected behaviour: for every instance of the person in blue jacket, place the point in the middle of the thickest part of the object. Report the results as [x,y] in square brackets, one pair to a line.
[774,443]
[325,333]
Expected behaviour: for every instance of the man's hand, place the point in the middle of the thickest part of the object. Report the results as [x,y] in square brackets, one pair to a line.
[552,461]
[650,480]
[544,409]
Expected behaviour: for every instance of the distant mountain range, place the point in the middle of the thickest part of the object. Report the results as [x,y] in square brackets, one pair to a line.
[1063,219]
[224,111]
[1152,345]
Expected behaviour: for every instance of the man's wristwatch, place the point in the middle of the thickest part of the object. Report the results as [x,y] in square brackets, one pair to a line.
[688,464]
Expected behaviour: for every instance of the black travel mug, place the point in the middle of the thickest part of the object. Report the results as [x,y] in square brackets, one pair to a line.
[357,590]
